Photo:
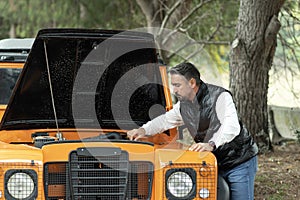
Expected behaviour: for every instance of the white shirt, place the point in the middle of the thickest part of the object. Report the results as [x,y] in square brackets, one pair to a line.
[226,113]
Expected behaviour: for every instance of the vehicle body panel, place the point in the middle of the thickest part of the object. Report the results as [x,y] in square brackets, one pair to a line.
[13,54]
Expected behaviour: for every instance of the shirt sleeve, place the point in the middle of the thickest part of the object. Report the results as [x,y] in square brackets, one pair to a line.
[170,119]
[227,114]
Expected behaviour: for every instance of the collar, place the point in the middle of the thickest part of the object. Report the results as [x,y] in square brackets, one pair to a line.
[202,91]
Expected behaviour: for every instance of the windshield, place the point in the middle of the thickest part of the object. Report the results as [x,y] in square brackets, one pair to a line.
[8,78]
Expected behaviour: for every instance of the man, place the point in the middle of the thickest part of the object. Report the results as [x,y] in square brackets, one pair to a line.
[210,115]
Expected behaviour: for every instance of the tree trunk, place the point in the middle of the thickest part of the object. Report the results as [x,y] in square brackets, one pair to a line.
[12,9]
[12,31]
[251,58]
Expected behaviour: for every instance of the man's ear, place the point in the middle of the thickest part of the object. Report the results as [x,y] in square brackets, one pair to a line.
[193,82]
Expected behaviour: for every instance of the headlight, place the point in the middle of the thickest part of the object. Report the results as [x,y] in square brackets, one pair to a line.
[20,184]
[180,183]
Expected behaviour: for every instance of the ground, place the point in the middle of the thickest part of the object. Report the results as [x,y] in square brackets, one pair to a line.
[278,176]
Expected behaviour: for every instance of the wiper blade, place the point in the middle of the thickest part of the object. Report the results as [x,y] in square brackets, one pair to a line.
[109,121]
[35,121]
[125,122]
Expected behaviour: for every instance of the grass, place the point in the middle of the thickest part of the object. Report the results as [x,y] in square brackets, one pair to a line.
[274,190]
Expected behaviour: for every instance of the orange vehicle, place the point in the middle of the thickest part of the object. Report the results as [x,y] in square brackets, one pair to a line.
[63,134]
[13,54]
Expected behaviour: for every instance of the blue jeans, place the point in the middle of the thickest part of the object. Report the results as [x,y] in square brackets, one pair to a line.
[240,180]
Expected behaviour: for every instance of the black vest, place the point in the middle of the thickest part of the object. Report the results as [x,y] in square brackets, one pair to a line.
[202,122]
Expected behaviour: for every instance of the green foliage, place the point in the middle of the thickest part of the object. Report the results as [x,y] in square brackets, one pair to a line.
[219,55]
[220,16]
[213,26]
[214,21]
[112,14]
[288,50]
[26,17]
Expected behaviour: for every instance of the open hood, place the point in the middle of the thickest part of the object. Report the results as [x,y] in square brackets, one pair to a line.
[78,78]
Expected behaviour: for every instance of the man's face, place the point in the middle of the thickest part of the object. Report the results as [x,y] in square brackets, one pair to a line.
[182,88]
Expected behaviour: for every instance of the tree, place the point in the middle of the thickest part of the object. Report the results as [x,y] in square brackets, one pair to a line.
[208,22]
[251,58]
[251,54]
[25,18]
[98,14]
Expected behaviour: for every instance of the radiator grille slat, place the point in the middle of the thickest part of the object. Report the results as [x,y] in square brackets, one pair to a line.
[98,170]
[112,177]
[100,185]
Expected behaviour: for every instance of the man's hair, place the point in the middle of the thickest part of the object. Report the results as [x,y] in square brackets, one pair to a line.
[188,70]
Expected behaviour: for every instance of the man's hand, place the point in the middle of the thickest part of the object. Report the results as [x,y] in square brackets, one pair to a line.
[136,134]
[200,147]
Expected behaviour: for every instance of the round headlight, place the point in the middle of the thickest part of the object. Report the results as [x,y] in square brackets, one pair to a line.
[20,185]
[180,184]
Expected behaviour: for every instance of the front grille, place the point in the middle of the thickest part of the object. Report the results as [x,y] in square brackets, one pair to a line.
[140,180]
[93,177]
[56,181]
[96,177]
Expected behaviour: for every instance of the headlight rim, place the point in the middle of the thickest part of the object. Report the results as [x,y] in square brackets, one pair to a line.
[192,173]
[30,172]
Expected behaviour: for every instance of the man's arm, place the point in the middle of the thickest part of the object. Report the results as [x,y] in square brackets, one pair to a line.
[228,117]
[170,119]
[229,128]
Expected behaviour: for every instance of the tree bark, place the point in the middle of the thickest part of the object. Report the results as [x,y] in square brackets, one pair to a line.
[251,58]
